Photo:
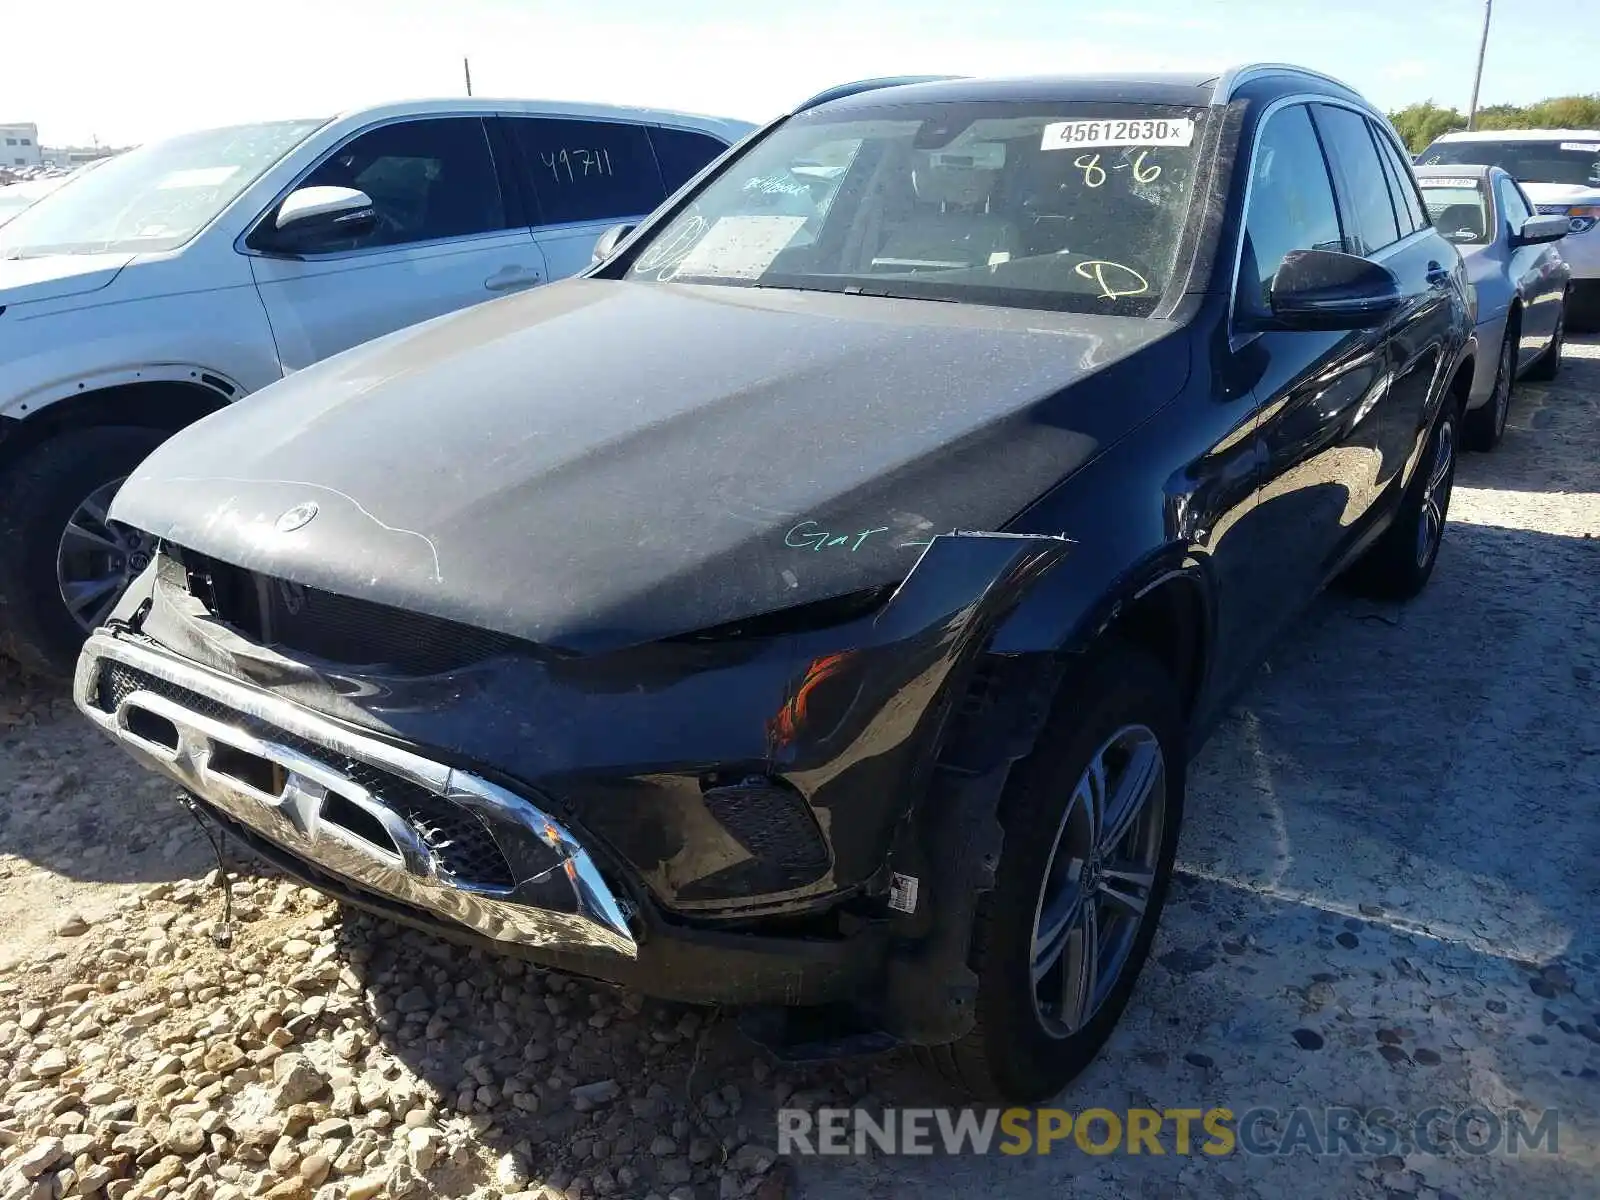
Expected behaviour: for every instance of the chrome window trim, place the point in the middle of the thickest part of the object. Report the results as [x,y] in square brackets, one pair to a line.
[1382,128]
[1236,338]
[1232,79]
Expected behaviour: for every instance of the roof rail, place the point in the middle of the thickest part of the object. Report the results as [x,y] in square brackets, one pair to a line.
[869,85]
[1234,77]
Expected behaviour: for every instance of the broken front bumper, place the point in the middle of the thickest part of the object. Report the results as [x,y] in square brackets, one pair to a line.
[427,835]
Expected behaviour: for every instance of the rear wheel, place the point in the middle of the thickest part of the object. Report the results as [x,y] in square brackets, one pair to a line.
[1485,425]
[66,563]
[1091,826]
[1549,363]
[1399,564]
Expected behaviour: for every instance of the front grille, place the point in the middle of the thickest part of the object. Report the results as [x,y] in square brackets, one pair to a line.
[461,843]
[336,628]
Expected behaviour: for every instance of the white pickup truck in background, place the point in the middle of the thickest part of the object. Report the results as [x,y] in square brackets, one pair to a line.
[189,273]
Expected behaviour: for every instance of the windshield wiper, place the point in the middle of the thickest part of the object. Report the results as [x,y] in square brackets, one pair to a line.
[857,289]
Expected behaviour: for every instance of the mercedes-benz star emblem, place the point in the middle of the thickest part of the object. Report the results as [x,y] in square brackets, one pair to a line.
[297,517]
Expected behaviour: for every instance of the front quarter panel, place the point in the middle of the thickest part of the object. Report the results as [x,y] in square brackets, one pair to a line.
[155,323]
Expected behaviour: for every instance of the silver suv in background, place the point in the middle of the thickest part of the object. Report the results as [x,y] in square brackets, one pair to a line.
[189,273]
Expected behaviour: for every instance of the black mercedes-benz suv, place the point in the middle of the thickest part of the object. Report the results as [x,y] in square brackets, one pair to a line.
[814,607]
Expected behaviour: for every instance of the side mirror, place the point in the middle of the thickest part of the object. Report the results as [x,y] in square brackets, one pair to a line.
[1537,230]
[1328,289]
[606,244]
[314,217]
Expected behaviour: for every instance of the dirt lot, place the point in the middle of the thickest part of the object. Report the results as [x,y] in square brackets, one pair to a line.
[1388,898]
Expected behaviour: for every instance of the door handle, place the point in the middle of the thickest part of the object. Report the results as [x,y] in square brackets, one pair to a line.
[512,278]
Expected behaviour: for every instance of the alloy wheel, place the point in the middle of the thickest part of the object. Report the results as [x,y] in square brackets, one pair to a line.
[1098,880]
[97,558]
[1436,496]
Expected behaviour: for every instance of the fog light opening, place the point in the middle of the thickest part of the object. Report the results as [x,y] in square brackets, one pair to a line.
[149,727]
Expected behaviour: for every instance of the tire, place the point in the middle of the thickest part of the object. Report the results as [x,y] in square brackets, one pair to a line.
[1399,564]
[39,495]
[1484,426]
[1548,364]
[1020,1050]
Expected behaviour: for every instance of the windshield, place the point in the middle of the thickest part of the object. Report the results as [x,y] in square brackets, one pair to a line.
[153,198]
[1071,206]
[1528,161]
[13,200]
[1458,209]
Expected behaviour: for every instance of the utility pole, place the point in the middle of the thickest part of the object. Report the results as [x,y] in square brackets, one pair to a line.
[1477,78]
[466,66]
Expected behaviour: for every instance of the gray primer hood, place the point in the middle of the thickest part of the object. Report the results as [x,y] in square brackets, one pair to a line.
[596,464]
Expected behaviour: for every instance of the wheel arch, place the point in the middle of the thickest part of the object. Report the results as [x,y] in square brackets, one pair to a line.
[152,398]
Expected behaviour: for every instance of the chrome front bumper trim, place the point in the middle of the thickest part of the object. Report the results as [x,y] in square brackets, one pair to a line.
[559,900]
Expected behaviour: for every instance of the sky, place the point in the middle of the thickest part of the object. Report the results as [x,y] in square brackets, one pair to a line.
[124,72]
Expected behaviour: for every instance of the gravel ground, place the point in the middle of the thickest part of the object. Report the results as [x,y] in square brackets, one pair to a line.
[1387,898]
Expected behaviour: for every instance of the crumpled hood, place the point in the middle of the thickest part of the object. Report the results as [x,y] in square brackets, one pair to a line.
[595,464]
[56,276]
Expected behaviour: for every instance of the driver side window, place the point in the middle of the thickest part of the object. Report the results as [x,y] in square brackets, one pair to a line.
[1512,209]
[427,180]
[1291,204]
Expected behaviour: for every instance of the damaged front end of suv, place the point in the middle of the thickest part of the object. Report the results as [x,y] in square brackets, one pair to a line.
[800,613]
[795,810]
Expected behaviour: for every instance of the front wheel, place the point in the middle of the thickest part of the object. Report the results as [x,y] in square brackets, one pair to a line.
[65,564]
[1091,827]
[1400,563]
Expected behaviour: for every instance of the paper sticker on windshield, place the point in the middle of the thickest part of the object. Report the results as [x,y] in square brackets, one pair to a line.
[1582,147]
[1439,181]
[739,247]
[1071,135]
[197,177]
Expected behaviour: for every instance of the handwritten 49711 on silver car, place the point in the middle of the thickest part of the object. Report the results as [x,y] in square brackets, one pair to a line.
[813,608]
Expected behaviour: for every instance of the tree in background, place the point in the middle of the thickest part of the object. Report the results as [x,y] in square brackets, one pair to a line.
[1419,124]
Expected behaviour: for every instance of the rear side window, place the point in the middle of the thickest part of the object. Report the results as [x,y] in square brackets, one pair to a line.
[588,170]
[1407,205]
[427,180]
[681,153]
[1291,203]
[1369,218]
